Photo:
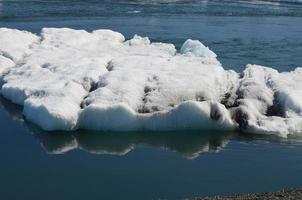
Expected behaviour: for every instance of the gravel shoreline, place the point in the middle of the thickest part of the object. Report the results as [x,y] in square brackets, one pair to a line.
[288,194]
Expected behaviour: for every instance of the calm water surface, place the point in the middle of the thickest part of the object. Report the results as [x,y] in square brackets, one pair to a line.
[174,165]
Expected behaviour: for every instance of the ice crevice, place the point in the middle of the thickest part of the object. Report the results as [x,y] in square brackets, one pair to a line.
[68,79]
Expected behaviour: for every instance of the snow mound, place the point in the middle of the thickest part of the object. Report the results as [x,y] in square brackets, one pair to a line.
[68,79]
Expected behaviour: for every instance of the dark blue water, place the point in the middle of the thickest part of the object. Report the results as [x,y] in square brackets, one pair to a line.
[91,165]
[240,32]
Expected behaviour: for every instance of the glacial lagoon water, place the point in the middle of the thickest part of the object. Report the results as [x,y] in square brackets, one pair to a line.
[168,165]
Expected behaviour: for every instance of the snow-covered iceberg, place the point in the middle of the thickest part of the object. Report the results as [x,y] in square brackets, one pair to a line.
[69,79]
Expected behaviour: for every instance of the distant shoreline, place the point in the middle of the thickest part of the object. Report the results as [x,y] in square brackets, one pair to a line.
[288,194]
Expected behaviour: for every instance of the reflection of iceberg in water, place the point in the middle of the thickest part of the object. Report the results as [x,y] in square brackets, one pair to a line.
[188,144]
[14,110]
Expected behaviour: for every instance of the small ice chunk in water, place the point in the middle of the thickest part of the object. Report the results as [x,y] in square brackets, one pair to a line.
[195,47]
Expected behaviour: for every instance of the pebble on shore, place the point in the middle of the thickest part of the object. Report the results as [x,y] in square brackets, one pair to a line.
[289,194]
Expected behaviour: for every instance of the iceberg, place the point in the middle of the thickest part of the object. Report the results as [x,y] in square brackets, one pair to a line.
[68,79]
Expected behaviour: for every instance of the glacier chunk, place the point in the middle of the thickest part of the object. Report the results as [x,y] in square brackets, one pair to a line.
[68,79]
[195,47]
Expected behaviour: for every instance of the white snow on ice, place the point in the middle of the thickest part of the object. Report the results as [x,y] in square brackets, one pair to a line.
[69,79]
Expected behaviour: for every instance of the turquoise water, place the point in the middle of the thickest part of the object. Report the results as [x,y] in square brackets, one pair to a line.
[170,165]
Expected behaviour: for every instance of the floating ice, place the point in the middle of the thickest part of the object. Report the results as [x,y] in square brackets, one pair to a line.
[196,48]
[69,79]
[189,115]
[266,102]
